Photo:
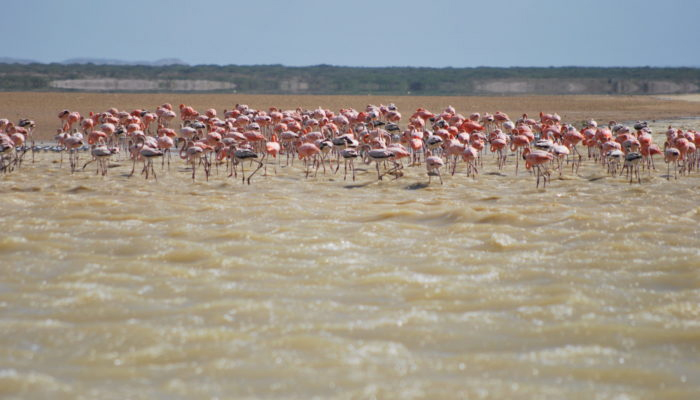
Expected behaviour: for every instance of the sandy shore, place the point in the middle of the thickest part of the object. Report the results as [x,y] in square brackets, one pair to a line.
[44,107]
[685,97]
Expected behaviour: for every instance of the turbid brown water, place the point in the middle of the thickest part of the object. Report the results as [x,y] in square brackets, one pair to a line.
[115,287]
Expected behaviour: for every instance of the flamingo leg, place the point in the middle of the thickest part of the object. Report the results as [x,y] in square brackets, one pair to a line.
[260,165]
[317,161]
[153,171]
[675,170]
[86,164]
[133,168]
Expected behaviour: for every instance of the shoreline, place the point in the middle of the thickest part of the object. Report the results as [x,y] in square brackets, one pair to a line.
[43,107]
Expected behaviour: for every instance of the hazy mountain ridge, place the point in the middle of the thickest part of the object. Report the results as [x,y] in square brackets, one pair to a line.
[107,61]
[11,60]
[98,61]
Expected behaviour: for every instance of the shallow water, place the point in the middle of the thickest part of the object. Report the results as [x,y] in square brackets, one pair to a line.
[119,287]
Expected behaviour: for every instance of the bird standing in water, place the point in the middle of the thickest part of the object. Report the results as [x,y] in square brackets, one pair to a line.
[433,164]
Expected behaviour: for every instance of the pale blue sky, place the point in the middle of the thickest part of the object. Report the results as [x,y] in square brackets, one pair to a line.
[358,32]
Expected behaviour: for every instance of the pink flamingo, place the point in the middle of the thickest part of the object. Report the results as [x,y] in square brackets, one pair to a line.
[101,154]
[470,155]
[560,152]
[498,144]
[272,148]
[536,159]
[454,149]
[192,153]
[433,165]
[307,151]
[517,143]
[571,139]
[648,152]
[672,155]
[72,143]
[165,142]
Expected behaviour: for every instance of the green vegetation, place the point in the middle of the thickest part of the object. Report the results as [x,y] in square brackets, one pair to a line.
[326,79]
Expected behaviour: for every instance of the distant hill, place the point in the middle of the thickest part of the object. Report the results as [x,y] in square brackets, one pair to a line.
[171,75]
[98,61]
[10,60]
[108,61]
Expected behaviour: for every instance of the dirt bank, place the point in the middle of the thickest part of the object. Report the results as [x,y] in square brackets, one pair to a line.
[44,107]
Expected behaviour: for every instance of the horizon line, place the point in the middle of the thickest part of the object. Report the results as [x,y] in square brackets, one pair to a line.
[177,61]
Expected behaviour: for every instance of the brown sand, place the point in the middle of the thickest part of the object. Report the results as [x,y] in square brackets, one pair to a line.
[44,107]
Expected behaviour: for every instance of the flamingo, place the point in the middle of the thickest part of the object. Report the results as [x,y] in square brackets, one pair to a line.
[672,155]
[560,152]
[648,152]
[165,142]
[72,143]
[241,155]
[517,143]
[272,148]
[536,159]
[454,149]
[383,154]
[145,149]
[416,144]
[349,155]
[571,139]
[101,154]
[192,153]
[325,146]
[149,153]
[449,136]
[307,151]
[433,164]
[632,161]
[498,144]
[470,155]
[7,153]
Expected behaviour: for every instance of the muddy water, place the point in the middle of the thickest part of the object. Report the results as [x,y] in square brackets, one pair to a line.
[120,288]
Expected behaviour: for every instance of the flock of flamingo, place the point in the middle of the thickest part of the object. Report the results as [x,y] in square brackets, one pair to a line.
[323,139]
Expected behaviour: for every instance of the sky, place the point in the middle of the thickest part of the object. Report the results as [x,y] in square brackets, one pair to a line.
[374,33]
